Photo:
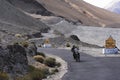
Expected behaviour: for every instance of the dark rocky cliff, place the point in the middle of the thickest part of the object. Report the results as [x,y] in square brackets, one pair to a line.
[13,60]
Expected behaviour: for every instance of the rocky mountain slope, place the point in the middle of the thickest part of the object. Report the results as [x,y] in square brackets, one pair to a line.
[70,10]
[80,11]
[13,20]
[31,6]
[13,60]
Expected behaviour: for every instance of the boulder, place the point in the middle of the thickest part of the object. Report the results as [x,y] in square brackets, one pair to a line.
[13,60]
[32,49]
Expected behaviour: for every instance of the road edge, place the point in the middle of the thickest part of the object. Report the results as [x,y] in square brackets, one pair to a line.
[62,70]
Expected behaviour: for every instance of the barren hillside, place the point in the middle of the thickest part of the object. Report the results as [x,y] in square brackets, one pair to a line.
[15,21]
[78,10]
[72,10]
[31,6]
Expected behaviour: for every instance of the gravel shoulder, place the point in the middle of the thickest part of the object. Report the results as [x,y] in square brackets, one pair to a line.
[62,70]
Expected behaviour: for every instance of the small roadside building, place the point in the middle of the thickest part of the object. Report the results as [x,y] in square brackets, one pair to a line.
[47,43]
[110,46]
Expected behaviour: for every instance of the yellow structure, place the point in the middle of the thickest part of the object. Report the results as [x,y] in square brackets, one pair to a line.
[47,41]
[110,43]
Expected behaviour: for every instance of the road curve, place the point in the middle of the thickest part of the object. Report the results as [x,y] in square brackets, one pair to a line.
[90,68]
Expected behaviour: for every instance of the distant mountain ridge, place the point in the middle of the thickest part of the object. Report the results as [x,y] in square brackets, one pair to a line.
[114,6]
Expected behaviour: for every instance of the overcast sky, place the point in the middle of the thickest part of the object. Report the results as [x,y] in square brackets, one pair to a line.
[99,3]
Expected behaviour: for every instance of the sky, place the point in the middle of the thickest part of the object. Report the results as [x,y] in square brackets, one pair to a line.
[99,3]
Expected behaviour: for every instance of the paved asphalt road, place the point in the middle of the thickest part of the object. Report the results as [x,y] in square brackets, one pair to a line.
[90,68]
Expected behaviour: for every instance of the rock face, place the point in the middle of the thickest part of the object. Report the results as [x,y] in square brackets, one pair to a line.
[13,60]
[13,20]
[30,6]
[32,49]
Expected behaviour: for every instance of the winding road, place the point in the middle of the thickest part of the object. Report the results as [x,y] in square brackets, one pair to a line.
[90,68]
